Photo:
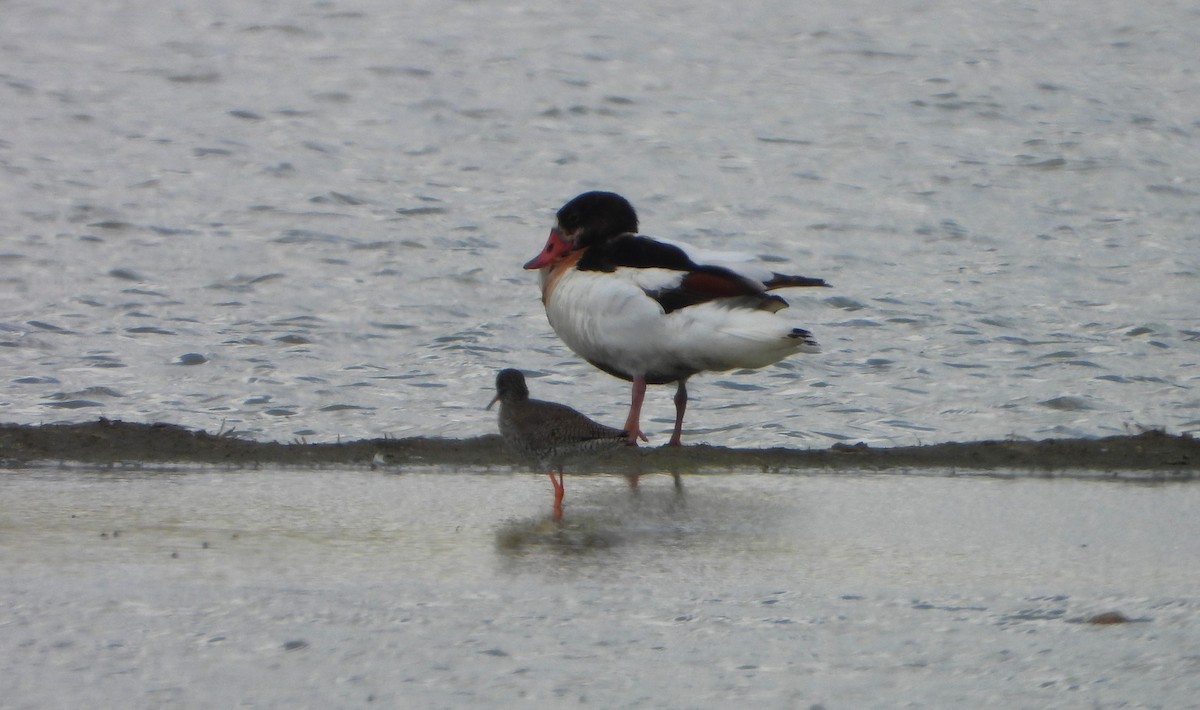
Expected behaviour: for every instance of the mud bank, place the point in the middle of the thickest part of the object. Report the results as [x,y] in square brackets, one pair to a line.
[1153,454]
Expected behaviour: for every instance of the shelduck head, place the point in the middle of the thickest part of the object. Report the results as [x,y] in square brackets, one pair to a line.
[588,219]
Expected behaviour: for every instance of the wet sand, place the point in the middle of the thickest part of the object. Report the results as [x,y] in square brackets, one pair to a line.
[1149,455]
[156,568]
[346,587]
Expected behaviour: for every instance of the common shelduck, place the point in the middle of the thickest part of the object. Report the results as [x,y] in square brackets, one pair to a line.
[654,311]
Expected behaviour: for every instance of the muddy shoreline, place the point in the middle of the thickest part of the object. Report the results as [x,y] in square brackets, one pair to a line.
[1151,455]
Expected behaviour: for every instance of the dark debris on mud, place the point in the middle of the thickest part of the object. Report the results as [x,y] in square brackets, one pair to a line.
[1150,455]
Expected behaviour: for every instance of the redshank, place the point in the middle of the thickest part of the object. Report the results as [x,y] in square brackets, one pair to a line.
[655,311]
[547,432]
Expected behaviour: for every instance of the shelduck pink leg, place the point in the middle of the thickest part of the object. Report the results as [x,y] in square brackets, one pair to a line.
[632,427]
[680,408]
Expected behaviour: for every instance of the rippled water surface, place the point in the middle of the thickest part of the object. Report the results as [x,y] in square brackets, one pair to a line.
[307,221]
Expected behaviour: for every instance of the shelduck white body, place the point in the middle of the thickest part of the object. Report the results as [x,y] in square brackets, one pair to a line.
[653,311]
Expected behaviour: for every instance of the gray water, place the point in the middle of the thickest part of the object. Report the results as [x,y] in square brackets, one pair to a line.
[307,220]
[441,589]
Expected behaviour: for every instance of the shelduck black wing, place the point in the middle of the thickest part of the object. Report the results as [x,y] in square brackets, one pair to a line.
[677,281]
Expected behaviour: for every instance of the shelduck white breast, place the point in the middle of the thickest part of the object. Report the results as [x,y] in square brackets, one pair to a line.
[654,311]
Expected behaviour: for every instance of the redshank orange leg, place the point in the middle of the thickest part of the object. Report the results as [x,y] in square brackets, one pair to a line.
[559,491]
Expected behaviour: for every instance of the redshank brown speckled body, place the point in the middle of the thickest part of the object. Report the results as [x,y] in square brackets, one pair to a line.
[547,432]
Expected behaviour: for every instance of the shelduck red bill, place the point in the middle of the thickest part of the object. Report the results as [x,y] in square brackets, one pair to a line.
[556,247]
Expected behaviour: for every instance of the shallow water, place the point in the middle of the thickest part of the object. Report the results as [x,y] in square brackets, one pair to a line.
[309,221]
[446,589]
